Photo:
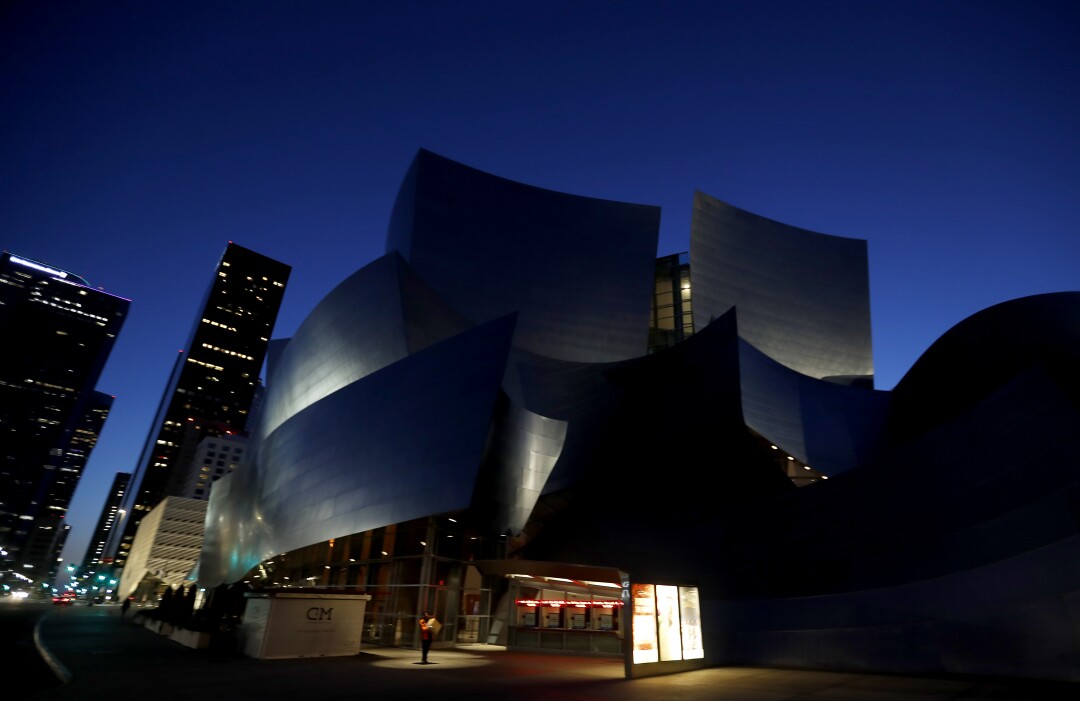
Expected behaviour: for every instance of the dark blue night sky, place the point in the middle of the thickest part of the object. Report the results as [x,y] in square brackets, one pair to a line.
[138,138]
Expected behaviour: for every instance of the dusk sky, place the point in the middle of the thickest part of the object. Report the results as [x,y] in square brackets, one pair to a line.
[138,138]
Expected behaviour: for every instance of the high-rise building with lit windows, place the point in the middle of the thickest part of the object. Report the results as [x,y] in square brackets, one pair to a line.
[213,383]
[57,334]
[109,519]
[215,457]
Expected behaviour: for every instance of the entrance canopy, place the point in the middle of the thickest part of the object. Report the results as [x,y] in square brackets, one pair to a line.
[585,576]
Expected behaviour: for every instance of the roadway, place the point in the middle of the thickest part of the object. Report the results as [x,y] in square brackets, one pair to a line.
[93,654]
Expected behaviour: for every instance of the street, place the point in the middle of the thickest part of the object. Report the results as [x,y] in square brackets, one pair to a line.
[19,659]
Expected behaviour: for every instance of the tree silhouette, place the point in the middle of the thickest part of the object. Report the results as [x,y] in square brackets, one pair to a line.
[165,607]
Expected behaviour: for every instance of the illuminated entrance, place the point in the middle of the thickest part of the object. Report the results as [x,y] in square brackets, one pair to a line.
[655,628]
[665,622]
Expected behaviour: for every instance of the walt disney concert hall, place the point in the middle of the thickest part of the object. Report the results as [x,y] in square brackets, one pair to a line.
[523,420]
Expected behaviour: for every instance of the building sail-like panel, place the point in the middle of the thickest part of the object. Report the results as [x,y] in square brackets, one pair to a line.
[401,443]
[803,297]
[377,316]
[577,270]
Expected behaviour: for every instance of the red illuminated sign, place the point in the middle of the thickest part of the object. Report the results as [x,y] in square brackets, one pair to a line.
[571,603]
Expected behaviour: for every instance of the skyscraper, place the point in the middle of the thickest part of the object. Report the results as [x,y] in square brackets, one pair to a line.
[109,519]
[215,457]
[58,332]
[213,383]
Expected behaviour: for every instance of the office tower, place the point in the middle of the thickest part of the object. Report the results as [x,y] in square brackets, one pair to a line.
[213,383]
[57,334]
[110,516]
[215,457]
[45,543]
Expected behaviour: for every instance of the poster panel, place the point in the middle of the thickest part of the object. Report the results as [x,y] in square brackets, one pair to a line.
[643,601]
[667,619]
[690,609]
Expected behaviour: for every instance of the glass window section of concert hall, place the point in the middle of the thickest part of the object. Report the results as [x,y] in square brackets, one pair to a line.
[671,320]
[406,568]
[213,383]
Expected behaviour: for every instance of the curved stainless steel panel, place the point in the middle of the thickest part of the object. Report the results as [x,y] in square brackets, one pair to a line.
[377,316]
[577,270]
[524,451]
[401,443]
[829,426]
[803,297]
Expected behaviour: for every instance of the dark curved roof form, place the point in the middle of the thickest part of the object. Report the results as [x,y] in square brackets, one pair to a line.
[974,357]
[803,297]
[957,544]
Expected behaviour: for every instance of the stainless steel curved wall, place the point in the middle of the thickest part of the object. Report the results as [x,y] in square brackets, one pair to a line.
[831,427]
[497,366]
[377,316]
[803,297]
[577,270]
[402,443]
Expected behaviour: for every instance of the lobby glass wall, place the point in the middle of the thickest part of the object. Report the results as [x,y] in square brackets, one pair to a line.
[559,614]
[672,319]
[407,568]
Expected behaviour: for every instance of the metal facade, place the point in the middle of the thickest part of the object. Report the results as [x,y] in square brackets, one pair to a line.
[443,380]
[577,270]
[803,297]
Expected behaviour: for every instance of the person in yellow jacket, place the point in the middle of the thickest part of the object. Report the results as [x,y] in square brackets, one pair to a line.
[427,634]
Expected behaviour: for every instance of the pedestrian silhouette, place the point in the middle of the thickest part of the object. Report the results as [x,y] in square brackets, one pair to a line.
[427,633]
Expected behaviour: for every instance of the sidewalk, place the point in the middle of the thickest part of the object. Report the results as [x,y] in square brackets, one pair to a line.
[107,658]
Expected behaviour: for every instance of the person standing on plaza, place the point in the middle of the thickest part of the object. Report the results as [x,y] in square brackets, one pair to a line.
[427,634]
